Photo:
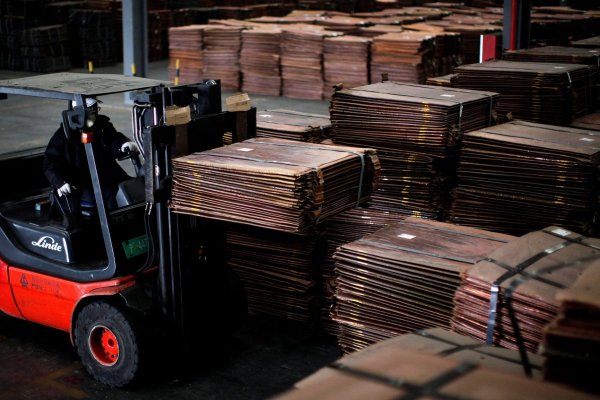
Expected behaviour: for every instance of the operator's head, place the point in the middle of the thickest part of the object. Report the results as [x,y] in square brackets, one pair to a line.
[92,107]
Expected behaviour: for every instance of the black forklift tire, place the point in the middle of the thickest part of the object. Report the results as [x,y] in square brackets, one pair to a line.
[108,343]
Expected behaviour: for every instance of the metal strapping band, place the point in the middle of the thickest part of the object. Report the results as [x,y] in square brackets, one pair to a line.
[569,76]
[511,311]
[414,391]
[512,271]
[476,347]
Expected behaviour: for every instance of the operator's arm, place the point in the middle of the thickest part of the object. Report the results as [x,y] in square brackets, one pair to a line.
[55,164]
[111,136]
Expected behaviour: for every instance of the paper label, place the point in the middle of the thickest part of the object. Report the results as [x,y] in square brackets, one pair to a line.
[585,139]
[406,236]
[561,232]
[266,115]
[447,95]
[245,149]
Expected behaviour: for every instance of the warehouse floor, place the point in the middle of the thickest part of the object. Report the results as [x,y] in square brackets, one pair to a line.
[263,358]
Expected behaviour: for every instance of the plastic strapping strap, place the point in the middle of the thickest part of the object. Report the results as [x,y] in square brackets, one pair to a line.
[460,113]
[332,148]
[495,288]
[511,311]
[414,391]
[569,76]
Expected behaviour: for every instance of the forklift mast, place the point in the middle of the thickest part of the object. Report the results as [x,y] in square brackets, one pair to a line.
[170,122]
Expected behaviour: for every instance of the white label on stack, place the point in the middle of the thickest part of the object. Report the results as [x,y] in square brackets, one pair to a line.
[406,236]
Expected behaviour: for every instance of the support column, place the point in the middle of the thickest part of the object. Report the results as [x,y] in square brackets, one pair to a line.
[135,38]
[517,21]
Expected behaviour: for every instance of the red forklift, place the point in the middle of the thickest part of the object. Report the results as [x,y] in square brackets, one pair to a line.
[131,277]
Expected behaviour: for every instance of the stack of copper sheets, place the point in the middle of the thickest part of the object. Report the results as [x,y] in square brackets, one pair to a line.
[222,46]
[390,371]
[402,278]
[404,57]
[279,271]
[302,61]
[447,50]
[346,62]
[556,54]
[344,228]
[572,340]
[46,49]
[342,23]
[415,129]
[185,45]
[378,30]
[589,43]
[510,297]
[259,60]
[272,183]
[589,121]
[521,176]
[459,347]
[292,125]
[539,92]
[444,80]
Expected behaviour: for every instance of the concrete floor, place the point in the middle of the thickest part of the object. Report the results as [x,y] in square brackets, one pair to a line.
[265,357]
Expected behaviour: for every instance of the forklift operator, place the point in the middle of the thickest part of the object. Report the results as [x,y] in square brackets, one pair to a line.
[65,164]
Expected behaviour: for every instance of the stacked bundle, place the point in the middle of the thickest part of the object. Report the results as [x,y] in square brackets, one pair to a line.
[45,49]
[339,23]
[272,183]
[445,80]
[452,345]
[415,129]
[556,54]
[589,43]
[302,61]
[292,125]
[259,60]
[158,34]
[222,46]
[279,271]
[378,30]
[390,371]
[95,32]
[404,57]
[185,49]
[521,176]
[448,47]
[546,93]
[572,340]
[402,278]
[589,121]
[510,297]
[345,61]
[344,228]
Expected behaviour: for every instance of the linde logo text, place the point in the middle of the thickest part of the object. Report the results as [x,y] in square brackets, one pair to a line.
[47,242]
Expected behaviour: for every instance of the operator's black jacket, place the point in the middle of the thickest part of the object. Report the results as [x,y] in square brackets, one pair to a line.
[65,160]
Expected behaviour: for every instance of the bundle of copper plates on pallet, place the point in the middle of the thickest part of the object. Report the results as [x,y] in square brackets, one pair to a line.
[301,61]
[556,54]
[402,278]
[279,271]
[546,92]
[548,176]
[272,183]
[222,46]
[589,121]
[510,297]
[447,49]
[292,125]
[588,43]
[378,30]
[259,60]
[388,370]
[45,49]
[340,23]
[415,129]
[95,36]
[185,45]
[572,340]
[404,57]
[344,228]
[346,62]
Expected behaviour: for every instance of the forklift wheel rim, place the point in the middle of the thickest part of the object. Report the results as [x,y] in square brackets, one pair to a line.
[104,345]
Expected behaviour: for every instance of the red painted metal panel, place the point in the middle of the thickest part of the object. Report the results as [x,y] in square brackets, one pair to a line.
[51,301]
[7,302]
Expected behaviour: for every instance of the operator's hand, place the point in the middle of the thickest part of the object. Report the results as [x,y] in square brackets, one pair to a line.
[64,190]
[130,146]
